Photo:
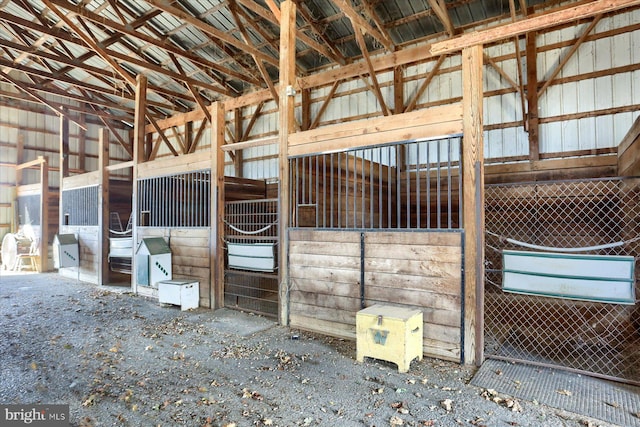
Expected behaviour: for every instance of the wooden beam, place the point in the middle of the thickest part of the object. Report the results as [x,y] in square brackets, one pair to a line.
[43,259]
[372,72]
[473,203]
[273,7]
[217,212]
[439,7]
[569,54]
[426,123]
[82,11]
[238,160]
[211,30]
[245,36]
[287,126]
[359,22]
[57,108]
[103,202]
[63,163]
[237,146]
[516,41]
[532,23]
[532,98]
[425,84]
[324,105]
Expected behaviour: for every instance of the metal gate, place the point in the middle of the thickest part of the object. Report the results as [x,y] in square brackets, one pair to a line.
[251,237]
[597,338]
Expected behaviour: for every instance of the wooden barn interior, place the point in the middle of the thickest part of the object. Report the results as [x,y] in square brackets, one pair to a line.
[306,159]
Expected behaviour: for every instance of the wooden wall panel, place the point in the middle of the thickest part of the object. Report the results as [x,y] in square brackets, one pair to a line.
[415,269]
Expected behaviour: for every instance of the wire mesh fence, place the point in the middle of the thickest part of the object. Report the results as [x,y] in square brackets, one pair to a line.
[598,338]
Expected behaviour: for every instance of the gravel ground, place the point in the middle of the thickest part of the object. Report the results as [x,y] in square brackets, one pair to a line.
[123,360]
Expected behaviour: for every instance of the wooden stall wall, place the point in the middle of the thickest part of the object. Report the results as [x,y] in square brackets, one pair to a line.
[190,257]
[414,269]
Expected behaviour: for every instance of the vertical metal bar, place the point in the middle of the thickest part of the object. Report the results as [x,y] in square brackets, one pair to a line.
[449,183]
[439,189]
[429,144]
[332,177]
[324,190]
[315,201]
[389,221]
[362,253]
[380,206]
[346,190]
[418,185]
[407,171]
[355,189]
[398,191]
[296,194]
[371,185]
[459,182]
[339,190]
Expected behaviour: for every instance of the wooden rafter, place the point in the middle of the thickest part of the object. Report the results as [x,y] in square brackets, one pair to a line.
[126,30]
[318,47]
[111,61]
[192,89]
[440,9]
[324,105]
[212,31]
[252,121]
[532,23]
[567,57]
[425,84]
[333,52]
[57,108]
[359,22]
[503,74]
[376,87]
[256,59]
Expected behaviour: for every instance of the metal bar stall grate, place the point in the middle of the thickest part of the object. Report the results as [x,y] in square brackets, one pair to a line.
[251,235]
[597,338]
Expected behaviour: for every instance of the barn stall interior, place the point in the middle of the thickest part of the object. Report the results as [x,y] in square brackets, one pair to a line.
[336,156]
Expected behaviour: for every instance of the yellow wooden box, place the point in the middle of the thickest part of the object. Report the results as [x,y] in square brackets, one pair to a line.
[393,334]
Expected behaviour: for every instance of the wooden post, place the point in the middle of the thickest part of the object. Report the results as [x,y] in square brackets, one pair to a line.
[103,202]
[216,245]
[19,158]
[43,263]
[64,164]
[287,126]
[398,90]
[138,157]
[473,202]
[532,97]
[238,161]
[82,143]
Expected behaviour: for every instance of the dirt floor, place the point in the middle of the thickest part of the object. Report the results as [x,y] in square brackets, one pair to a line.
[124,360]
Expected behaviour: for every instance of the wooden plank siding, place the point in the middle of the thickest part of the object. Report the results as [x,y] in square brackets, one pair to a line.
[414,269]
[190,257]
